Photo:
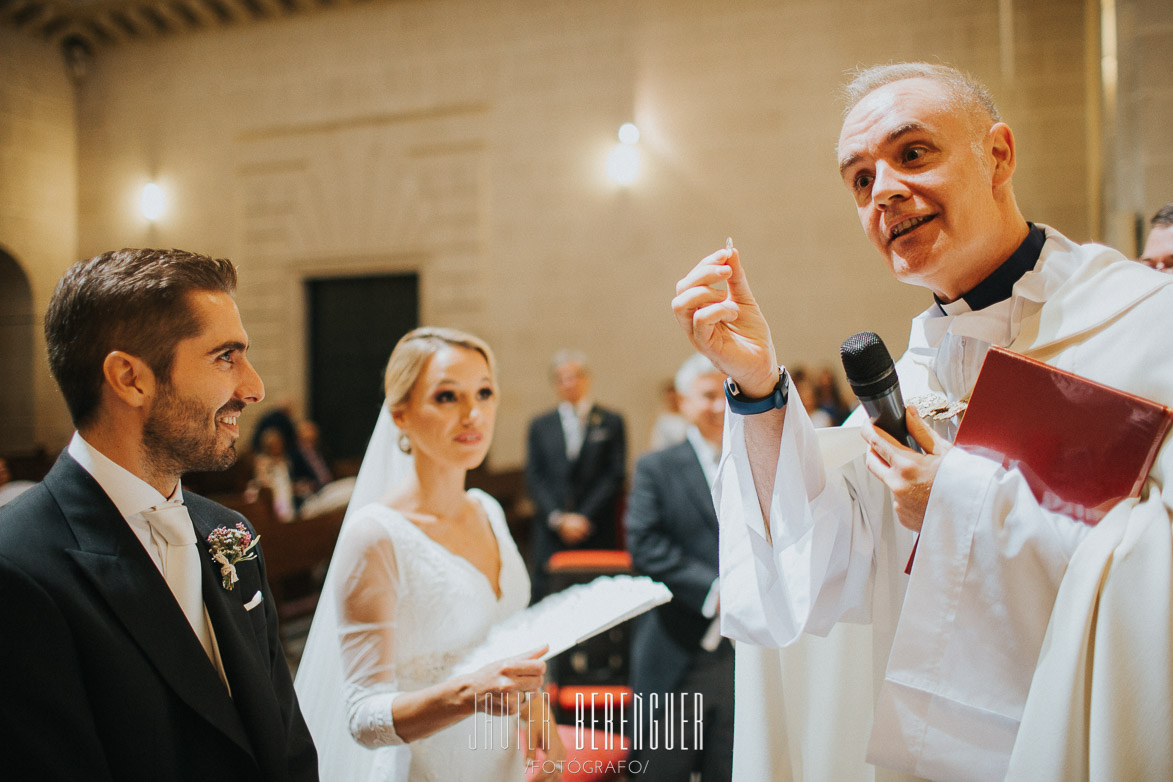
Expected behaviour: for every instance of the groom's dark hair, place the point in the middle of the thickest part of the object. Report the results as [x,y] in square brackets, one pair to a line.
[130,300]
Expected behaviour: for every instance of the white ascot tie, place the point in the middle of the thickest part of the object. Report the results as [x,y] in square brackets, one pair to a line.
[573,429]
[181,566]
[574,439]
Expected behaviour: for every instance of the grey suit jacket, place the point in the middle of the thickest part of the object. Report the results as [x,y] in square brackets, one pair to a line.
[672,537]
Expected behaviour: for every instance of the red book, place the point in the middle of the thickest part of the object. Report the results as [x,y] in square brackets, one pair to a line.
[1081,446]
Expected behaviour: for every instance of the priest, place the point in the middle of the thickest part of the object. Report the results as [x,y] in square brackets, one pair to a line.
[1024,644]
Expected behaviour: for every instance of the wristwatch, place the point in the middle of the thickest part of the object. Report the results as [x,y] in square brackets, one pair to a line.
[742,405]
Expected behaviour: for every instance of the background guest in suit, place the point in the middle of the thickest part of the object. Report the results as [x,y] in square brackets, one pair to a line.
[312,470]
[672,536]
[574,469]
[150,661]
[1158,249]
[669,426]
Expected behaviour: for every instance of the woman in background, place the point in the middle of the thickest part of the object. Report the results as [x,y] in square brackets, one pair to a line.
[422,570]
[829,397]
[271,471]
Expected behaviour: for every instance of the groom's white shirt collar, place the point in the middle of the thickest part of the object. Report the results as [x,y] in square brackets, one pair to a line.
[129,493]
[132,495]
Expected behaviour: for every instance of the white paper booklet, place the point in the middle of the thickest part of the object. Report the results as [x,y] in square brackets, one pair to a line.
[567,618]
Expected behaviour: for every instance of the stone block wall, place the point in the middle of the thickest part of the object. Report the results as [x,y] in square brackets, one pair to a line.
[466,139]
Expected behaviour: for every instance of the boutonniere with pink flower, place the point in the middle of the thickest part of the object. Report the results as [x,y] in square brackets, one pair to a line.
[596,419]
[230,546]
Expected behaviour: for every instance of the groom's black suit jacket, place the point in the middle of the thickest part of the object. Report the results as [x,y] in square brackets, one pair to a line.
[102,678]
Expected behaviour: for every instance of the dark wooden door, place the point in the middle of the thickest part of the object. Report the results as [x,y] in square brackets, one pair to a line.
[354,322]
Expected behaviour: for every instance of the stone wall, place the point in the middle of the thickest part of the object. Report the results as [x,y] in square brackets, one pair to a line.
[1138,119]
[465,140]
[38,230]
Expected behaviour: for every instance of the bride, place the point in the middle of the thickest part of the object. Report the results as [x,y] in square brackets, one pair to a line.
[422,570]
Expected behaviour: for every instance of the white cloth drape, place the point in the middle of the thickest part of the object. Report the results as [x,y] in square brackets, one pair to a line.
[953,649]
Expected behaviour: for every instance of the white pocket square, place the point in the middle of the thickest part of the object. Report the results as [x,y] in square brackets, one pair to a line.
[256,601]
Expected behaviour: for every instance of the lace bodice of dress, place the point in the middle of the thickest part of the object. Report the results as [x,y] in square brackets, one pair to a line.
[446,605]
[432,607]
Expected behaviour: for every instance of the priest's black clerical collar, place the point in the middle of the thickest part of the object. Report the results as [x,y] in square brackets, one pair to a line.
[998,286]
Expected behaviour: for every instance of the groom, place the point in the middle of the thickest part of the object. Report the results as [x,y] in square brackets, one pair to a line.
[125,655]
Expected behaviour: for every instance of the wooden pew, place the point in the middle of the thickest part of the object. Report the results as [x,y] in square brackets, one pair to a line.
[296,552]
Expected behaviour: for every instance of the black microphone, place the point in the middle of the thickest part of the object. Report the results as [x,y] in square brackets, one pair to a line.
[872,376]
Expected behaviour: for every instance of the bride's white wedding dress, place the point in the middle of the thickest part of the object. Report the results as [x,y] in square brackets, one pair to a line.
[434,607]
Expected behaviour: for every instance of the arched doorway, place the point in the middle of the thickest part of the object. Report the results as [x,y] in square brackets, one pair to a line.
[17,324]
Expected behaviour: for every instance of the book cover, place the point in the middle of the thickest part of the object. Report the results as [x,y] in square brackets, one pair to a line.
[1081,446]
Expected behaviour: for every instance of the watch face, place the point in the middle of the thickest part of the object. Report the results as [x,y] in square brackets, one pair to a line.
[781,387]
[776,399]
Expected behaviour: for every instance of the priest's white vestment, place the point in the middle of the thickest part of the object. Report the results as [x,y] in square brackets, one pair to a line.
[939,672]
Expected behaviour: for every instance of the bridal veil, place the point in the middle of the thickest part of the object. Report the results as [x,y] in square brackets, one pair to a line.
[320,681]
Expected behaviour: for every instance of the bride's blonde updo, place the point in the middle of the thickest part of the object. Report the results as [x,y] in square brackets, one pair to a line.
[413,351]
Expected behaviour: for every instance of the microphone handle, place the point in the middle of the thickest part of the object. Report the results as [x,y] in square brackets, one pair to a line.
[886,411]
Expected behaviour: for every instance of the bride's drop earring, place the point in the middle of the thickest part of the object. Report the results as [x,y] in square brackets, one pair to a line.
[405,443]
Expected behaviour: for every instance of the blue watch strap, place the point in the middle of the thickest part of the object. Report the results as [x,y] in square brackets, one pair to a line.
[742,405]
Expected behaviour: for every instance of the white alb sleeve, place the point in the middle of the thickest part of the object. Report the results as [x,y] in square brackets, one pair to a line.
[817,567]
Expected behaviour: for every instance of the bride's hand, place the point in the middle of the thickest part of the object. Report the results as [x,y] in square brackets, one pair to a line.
[538,717]
[506,682]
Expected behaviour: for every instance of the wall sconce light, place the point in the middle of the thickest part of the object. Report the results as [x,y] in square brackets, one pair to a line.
[623,161]
[152,202]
